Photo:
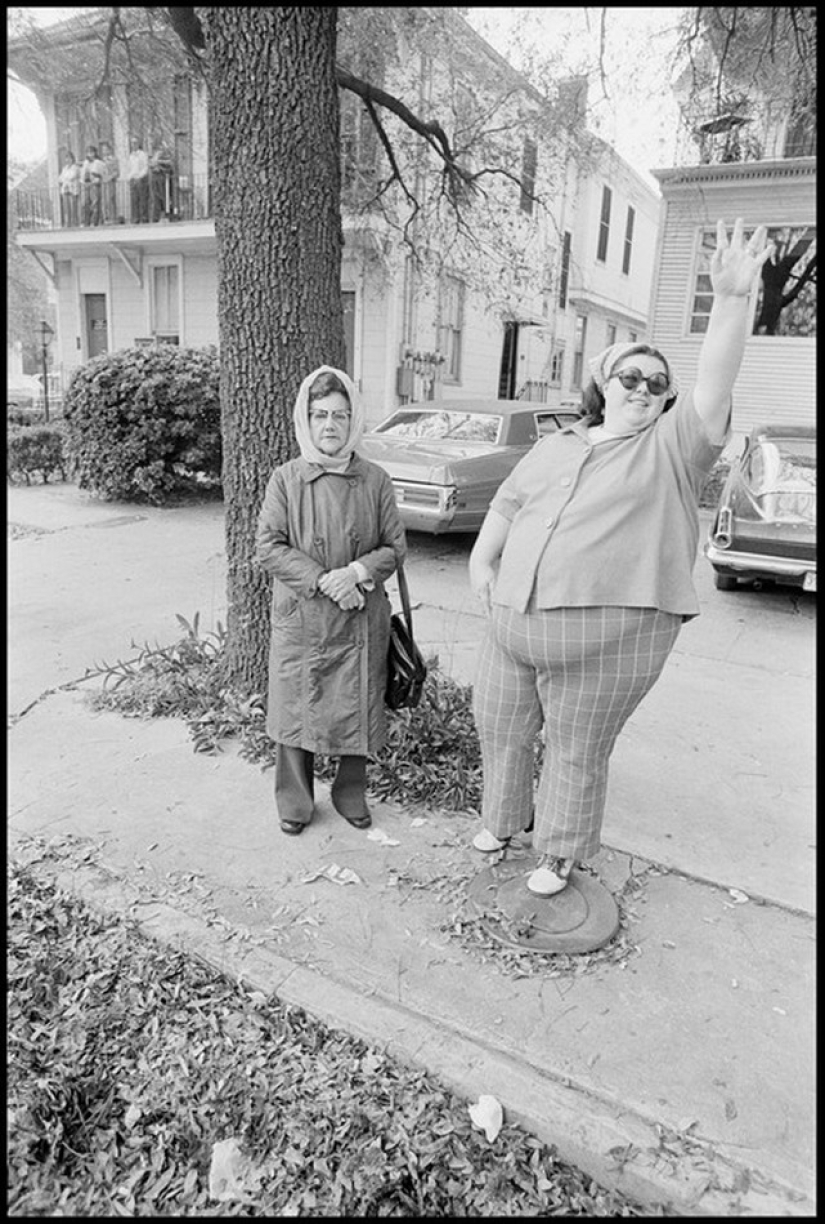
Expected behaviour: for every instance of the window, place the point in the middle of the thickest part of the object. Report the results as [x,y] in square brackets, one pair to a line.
[450,324]
[464,118]
[182,99]
[529,160]
[552,422]
[556,369]
[610,333]
[442,423]
[578,349]
[82,120]
[359,151]
[565,270]
[800,138]
[408,303]
[165,302]
[628,238]
[604,224]
[786,295]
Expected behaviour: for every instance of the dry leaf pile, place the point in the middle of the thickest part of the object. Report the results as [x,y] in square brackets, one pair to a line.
[141,1083]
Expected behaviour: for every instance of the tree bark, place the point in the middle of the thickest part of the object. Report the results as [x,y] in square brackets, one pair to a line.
[275,168]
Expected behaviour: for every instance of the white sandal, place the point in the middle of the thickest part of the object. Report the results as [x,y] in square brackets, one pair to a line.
[487,842]
[551,876]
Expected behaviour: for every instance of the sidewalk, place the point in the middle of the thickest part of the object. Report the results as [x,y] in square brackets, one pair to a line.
[681,1071]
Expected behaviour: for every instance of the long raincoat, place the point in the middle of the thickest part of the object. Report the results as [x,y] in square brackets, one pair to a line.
[327,665]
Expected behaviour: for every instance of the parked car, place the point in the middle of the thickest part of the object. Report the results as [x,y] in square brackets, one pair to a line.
[447,459]
[24,391]
[765,523]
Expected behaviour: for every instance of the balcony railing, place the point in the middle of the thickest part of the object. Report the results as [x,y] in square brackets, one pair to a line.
[157,198]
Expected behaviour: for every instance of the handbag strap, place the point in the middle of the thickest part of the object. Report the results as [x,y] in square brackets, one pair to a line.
[405,597]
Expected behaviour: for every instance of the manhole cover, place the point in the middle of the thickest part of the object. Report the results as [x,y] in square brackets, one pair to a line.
[581,918]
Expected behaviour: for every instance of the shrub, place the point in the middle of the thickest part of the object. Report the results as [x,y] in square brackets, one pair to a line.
[36,449]
[25,416]
[144,423]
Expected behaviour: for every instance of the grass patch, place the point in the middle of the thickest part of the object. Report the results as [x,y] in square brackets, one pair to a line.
[128,1062]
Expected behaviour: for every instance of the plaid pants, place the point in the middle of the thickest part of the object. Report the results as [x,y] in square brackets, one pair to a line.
[581,672]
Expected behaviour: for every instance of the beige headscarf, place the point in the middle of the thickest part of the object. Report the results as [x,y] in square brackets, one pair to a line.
[300,420]
[603,365]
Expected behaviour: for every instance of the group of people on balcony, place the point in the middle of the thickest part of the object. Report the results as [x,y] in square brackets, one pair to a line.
[88,191]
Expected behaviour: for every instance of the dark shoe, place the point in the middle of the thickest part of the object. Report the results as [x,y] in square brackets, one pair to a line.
[292,827]
[361,820]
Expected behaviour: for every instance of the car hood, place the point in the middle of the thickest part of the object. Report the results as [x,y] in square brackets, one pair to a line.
[436,462]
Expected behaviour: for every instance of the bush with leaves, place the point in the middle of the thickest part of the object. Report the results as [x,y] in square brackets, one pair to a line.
[145,423]
[36,450]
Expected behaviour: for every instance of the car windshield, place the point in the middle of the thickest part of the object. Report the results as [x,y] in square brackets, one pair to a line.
[784,464]
[442,423]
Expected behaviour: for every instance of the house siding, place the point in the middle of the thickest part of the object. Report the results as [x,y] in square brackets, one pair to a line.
[777,381]
[527,292]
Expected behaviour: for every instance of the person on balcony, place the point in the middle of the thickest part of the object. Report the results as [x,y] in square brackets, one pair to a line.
[69,180]
[161,171]
[138,181]
[91,178]
[111,173]
[583,566]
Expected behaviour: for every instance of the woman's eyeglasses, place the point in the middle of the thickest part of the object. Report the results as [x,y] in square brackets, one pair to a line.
[657,384]
[340,418]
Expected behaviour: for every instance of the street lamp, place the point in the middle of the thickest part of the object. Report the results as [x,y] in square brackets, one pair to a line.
[46,334]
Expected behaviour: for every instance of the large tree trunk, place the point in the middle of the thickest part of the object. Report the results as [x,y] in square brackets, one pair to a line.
[275,173]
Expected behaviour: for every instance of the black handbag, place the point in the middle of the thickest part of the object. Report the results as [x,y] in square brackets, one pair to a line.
[406,669]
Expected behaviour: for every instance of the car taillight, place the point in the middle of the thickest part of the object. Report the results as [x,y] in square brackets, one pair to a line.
[723,535]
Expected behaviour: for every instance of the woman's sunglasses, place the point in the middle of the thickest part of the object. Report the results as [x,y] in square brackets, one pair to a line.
[657,384]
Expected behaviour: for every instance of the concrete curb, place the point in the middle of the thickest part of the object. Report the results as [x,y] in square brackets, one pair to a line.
[622,1150]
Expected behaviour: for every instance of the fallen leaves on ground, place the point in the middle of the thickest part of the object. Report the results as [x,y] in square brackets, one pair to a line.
[129,1064]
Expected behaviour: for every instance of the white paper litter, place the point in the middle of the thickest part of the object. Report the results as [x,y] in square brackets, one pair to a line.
[232,1176]
[338,875]
[739,897]
[418,822]
[487,1115]
[378,835]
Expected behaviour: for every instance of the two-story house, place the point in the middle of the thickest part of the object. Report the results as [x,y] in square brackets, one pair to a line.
[566,270]
[751,156]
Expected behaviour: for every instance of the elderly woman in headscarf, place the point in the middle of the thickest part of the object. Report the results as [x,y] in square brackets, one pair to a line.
[330,534]
[584,566]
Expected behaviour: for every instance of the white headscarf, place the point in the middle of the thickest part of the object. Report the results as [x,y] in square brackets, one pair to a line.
[300,420]
[603,365]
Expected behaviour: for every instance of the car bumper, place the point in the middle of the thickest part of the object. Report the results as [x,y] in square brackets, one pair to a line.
[435,509]
[756,565]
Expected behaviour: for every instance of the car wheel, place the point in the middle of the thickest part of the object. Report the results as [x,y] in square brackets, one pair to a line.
[724,582]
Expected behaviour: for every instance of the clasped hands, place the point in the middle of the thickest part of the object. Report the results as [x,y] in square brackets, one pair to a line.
[341,585]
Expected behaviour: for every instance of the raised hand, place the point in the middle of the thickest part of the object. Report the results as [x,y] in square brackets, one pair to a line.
[735,265]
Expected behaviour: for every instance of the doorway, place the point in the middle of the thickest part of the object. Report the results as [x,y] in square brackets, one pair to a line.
[509,362]
[97,326]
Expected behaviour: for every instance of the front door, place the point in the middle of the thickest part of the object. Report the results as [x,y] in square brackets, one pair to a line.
[509,362]
[97,328]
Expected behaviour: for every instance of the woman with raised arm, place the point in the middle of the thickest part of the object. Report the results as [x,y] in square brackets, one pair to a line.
[584,565]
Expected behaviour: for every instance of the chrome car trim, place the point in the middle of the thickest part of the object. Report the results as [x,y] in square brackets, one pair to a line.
[723,535]
[758,562]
